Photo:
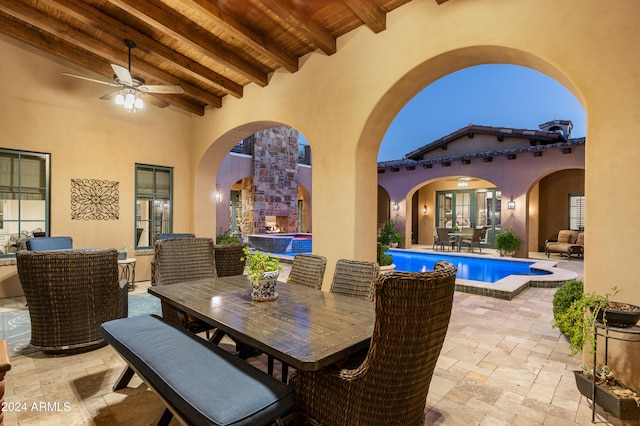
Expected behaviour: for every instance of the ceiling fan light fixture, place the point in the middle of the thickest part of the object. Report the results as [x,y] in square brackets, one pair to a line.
[119,99]
[129,100]
[138,104]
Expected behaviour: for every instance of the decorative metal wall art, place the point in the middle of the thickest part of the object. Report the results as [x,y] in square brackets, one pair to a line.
[93,199]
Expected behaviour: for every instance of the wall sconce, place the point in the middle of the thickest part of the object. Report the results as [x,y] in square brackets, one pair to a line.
[511,205]
[218,195]
[424,209]
[395,207]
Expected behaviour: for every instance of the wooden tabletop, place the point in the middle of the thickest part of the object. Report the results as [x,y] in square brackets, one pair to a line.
[304,327]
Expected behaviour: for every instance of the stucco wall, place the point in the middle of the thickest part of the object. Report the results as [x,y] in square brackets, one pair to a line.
[88,138]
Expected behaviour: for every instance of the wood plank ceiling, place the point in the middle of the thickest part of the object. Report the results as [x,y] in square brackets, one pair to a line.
[210,48]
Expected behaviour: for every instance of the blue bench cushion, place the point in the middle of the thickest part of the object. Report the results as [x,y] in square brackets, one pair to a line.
[202,382]
[49,243]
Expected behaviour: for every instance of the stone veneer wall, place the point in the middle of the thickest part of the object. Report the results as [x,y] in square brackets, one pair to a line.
[273,188]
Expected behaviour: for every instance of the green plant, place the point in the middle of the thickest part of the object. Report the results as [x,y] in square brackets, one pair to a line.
[383,258]
[388,235]
[578,322]
[226,237]
[570,291]
[124,248]
[507,242]
[257,263]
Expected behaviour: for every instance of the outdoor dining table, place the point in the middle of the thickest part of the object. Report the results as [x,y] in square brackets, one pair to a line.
[304,327]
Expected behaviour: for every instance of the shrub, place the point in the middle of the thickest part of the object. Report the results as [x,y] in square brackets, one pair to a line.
[570,291]
[226,237]
[384,259]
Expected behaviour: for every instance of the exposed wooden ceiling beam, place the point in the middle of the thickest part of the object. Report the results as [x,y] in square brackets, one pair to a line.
[180,29]
[370,13]
[91,16]
[35,17]
[292,16]
[246,35]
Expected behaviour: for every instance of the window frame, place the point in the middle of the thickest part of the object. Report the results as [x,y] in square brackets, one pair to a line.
[18,188]
[154,197]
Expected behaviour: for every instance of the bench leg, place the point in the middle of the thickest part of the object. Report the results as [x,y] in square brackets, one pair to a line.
[124,379]
[165,419]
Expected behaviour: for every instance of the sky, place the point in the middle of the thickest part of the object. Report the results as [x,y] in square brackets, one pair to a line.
[488,95]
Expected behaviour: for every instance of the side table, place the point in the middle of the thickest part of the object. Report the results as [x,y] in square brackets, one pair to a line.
[128,271]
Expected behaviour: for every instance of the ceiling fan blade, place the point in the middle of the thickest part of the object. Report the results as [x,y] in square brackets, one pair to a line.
[154,100]
[168,89]
[110,95]
[123,74]
[90,79]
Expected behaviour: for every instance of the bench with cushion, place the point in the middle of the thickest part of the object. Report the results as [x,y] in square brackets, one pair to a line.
[200,383]
[568,243]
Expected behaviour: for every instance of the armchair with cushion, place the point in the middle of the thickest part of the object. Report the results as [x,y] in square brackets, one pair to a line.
[390,384]
[69,293]
[567,243]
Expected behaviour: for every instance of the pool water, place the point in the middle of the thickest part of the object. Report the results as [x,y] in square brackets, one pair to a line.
[469,268]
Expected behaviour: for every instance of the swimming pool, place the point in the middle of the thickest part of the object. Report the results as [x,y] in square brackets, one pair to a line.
[488,270]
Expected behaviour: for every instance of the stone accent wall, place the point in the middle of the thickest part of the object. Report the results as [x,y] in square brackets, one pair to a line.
[273,188]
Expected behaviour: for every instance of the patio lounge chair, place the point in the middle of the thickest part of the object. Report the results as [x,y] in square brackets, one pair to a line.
[390,385]
[568,243]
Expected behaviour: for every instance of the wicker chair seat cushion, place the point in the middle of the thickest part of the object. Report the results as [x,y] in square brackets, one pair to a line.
[49,243]
[205,384]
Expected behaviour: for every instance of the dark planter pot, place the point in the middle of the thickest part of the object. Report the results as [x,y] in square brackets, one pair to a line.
[622,408]
[622,319]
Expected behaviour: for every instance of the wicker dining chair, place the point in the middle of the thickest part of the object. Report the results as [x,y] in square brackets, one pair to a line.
[308,269]
[183,259]
[229,259]
[159,237]
[355,278]
[69,293]
[390,385]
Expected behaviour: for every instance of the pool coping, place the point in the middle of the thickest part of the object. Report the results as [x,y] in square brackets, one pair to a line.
[509,287]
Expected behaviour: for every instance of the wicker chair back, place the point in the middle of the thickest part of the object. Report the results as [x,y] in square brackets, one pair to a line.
[69,293]
[183,259]
[390,385]
[229,259]
[355,278]
[308,269]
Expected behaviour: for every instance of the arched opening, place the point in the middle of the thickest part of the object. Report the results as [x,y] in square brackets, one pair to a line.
[478,151]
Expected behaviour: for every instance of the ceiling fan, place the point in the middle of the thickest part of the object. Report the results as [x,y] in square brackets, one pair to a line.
[131,87]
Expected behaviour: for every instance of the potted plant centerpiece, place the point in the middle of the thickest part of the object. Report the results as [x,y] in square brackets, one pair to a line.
[263,271]
[577,315]
[508,243]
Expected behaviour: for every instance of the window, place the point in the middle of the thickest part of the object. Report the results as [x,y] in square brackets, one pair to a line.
[154,202]
[576,212]
[24,196]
